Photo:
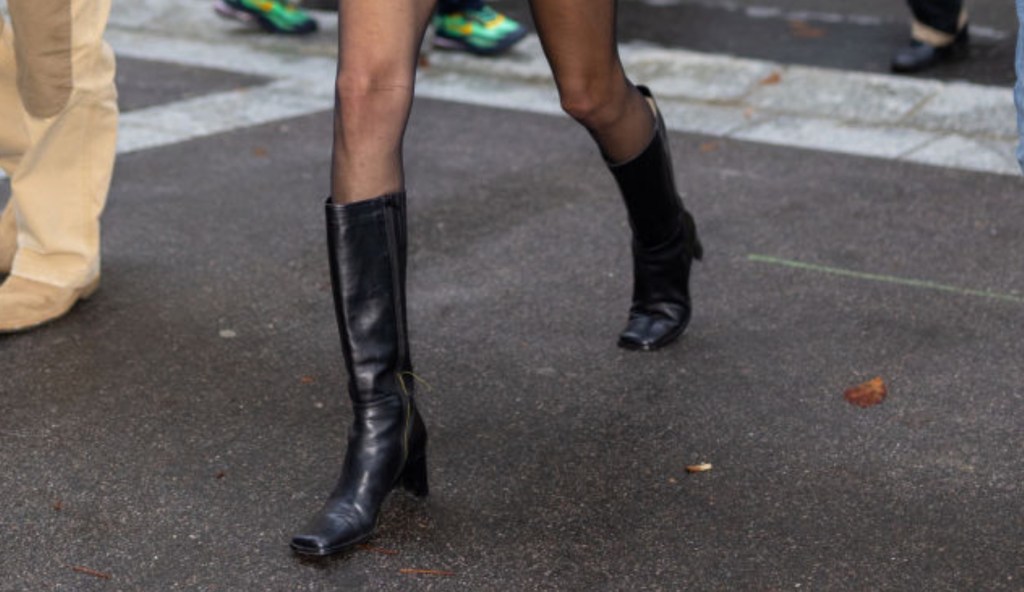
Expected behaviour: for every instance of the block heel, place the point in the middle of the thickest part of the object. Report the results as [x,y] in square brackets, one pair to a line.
[414,477]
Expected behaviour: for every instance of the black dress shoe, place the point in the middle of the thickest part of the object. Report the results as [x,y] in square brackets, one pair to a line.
[920,56]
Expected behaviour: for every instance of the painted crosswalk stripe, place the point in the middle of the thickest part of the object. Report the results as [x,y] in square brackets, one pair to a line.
[953,125]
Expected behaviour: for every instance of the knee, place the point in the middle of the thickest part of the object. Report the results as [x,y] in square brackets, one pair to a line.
[591,104]
[369,93]
[369,83]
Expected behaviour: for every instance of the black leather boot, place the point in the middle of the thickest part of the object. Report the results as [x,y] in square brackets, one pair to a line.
[918,56]
[664,244]
[387,443]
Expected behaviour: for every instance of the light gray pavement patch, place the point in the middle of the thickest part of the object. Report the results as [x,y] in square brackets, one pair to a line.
[967,109]
[693,76]
[969,153]
[868,98]
[217,113]
[833,136]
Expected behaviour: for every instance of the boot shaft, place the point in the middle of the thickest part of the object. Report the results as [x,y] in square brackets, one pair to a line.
[367,247]
[664,243]
[387,442]
[648,187]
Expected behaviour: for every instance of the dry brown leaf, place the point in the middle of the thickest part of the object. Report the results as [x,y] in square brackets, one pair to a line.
[58,505]
[220,475]
[870,393]
[804,30]
[260,152]
[307,380]
[702,467]
[708,147]
[773,78]
[426,572]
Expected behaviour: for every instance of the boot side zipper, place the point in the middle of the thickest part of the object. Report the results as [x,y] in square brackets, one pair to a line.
[396,278]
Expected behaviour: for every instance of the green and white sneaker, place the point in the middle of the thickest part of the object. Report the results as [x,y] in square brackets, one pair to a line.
[482,31]
[272,16]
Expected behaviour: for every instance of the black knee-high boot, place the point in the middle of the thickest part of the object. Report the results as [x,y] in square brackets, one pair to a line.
[664,244]
[387,442]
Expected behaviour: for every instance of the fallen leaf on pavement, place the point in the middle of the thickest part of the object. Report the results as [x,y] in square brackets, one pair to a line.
[773,78]
[708,147]
[307,380]
[803,30]
[870,393]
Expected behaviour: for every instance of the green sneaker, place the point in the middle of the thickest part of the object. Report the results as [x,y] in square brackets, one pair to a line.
[483,31]
[272,16]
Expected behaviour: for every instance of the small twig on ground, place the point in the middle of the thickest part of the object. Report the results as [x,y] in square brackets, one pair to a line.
[91,572]
[426,572]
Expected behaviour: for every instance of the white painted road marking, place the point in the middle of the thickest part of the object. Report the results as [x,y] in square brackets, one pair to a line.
[952,125]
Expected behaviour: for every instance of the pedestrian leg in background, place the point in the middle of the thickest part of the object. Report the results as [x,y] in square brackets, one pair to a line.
[61,162]
[473,26]
[939,33]
[1019,91]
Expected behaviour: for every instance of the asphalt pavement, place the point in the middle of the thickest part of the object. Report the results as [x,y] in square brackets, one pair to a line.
[173,432]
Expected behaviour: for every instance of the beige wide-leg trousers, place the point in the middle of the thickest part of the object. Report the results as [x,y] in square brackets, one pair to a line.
[58,131]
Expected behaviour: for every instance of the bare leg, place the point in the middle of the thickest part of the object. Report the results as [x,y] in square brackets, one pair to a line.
[378,47]
[579,41]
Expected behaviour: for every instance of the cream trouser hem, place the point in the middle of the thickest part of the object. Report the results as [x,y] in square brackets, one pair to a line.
[934,37]
[58,134]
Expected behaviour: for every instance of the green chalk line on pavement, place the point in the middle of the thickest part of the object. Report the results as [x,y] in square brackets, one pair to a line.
[888,279]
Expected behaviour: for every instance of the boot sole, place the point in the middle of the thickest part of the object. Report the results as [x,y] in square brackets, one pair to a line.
[332,550]
[668,339]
